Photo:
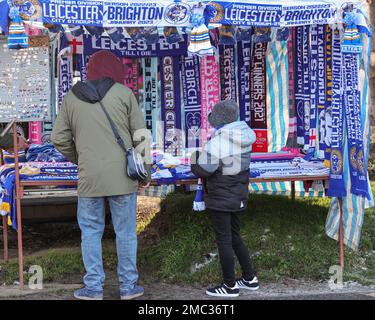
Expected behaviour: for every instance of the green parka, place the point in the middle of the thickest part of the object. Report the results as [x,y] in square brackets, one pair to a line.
[83,134]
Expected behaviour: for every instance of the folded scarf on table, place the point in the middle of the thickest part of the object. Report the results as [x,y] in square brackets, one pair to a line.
[44,153]
[9,157]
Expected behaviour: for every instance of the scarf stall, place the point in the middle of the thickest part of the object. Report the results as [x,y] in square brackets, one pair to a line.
[299,73]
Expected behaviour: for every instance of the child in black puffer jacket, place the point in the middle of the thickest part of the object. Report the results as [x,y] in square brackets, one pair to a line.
[223,166]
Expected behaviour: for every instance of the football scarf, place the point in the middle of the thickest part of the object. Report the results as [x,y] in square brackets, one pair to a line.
[228,72]
[349,99]
[65,71]
[171,104]
[298,84]
[328,98]
[258,97]
[336,183]
[362,183]
[306,86]
[131,74]
[352,103]
[192,100]
[82,61]
[313,92]
[321,87]
[243,73]
[35,132]
[210,90]
[150,98]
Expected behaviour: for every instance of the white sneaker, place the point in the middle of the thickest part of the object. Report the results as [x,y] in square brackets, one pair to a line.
[252,285]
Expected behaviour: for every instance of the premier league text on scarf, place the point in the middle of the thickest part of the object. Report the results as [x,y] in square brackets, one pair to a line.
[73,12]
[248,14]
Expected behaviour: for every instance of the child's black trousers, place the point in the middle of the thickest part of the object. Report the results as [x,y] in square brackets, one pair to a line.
[228,238]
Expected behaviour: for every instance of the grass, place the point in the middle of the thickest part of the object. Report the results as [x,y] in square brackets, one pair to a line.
[287,240]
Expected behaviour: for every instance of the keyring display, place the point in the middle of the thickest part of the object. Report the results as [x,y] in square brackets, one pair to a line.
[25,92]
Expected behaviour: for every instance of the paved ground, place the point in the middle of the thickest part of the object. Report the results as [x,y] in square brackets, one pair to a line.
[293,290]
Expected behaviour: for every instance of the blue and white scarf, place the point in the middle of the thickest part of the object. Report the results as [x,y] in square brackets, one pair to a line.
[321,89]
[352,103]
[306,86]
[298,84]
[362,182]
[312,134]
[337,183]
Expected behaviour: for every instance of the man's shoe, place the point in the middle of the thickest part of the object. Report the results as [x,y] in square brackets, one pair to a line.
[223,291]
[136,292]
[87,294]
[252,284]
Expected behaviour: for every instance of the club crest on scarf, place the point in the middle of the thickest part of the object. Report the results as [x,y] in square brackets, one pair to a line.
[336,162]
[217,12]
[177,13]
[29,9]
[361,162]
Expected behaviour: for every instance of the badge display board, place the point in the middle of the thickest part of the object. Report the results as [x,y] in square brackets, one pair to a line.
[25,90]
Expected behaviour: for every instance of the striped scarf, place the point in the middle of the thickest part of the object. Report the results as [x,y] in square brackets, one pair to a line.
[277,94]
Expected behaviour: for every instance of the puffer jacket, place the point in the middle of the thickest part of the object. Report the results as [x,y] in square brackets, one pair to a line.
[224,166]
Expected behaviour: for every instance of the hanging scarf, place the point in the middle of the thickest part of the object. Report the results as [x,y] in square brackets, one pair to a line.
[313,92]
[171,105]
[210,90]
[228,72]
[362,183]
[349,105]
[306,86]
[336,182]
[65,70]
[243,73]
[321,87]
[35,132]
[82,60]
[47,126]
[150,95]
[147,96]
[298,84]
[258,97]
[328,98]
[131,74]
[352,103]
[192,100]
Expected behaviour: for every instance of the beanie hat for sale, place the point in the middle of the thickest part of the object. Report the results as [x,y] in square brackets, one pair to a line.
[17,38]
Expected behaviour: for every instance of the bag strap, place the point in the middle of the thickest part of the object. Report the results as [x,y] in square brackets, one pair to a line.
[113,126]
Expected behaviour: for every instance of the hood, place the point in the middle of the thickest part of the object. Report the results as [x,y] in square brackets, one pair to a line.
[104,64]
[86,93]
[235,138]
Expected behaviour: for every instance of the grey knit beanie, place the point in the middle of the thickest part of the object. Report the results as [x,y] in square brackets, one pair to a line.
[224,112]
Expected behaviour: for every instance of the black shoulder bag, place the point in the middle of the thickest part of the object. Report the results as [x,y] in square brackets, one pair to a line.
[135,166]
